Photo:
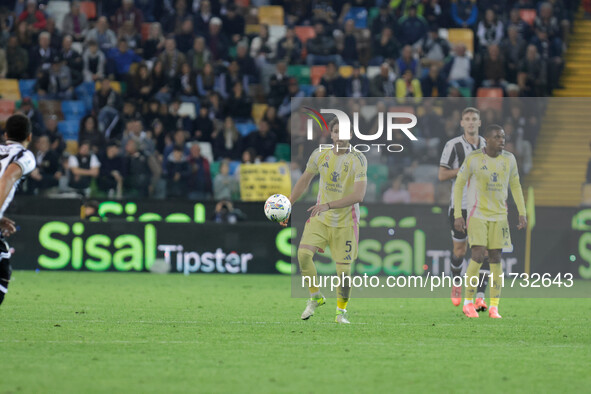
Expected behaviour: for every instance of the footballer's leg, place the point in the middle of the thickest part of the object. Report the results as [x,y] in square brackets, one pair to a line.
[343,246]
[478,238]
[5,272]
[495,288]
[315,237]
[460,245]
[479,303]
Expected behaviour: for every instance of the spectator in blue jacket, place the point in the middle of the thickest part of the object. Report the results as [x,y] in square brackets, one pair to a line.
[464,13]
[121,59]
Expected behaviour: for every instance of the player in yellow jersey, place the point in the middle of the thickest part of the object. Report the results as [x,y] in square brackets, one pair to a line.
[488,172]
[335,217]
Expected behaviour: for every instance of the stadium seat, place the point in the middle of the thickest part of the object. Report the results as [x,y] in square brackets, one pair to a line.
[316,73]
[528,15]
[462,36]
[9,89]
[359,15]
[27,87]
[304,33]
[206,151]
[490,98]
[246,128]
[308,90]
[283,152]
[374,12]
[69,129]
[258,111]
[58,10]
[301,73]
[420,192]
[346,71]
[72,147]
[233,167]
[115,85]
[214,168]
[146,30]
[372,71]
[85,92]
[88,8]
[6,109]
[271,15]
[242,3]
[378,174]
[188,109]
[74,110]
[251,29]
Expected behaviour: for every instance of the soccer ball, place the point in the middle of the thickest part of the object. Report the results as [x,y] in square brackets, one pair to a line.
[277,208]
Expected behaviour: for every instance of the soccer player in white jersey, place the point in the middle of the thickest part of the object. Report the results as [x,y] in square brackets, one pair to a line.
[454,153]
[488,172]
[334,220]
[16,162]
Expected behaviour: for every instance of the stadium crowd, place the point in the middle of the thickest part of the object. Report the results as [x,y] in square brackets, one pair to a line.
[166,99]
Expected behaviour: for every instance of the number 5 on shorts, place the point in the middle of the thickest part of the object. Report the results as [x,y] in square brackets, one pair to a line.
[348,243]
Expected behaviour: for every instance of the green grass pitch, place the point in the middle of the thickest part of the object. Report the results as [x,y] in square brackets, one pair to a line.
[72,332]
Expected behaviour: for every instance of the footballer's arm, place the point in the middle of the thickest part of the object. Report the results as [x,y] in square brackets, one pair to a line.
[357,196]
[12,174]
[447,173]
[299,188]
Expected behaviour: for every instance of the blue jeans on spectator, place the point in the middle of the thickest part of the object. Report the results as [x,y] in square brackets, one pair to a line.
[315,60]
[462,83]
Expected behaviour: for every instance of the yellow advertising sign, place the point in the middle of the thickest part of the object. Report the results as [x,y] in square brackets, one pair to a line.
[259,181]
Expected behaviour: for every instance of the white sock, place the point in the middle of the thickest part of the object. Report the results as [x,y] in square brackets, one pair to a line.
[480,295]
[467,301]
[342,310]
[316,295]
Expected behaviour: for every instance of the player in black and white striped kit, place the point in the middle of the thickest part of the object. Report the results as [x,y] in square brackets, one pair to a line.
[16,162]
[452,158]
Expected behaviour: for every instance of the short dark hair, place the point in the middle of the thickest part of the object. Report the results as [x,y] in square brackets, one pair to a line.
[18,128]
[468,110]
[490,129]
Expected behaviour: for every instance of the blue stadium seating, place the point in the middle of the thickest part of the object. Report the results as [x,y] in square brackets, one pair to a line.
[246,128]
[27,87]
[308,90]
[359,15]
[85,92]
[69,129]
[74,110]
[234,166]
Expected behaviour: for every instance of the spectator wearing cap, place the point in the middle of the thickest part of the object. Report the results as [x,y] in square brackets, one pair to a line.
[41,56]
[464,13]
[199,185]
[217,42]
[382,85]
[128,12]
[458,69]
[233,24]
[433,49]
[34,17]
[289,48]
[412,27]
[56,83]
[83,167]
[75,23]
[112,171]
[384,48]
[490,30]
[35,117]
[19,59]
[357,85]
[322,48]
[333,82]
[121,59]
[102,35]
[198,55]
[48,171]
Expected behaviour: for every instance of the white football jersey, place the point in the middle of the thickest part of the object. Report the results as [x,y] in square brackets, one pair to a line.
[18,154]
[453,156]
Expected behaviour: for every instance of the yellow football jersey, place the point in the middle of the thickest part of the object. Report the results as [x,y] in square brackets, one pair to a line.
[338,173]
[488,181]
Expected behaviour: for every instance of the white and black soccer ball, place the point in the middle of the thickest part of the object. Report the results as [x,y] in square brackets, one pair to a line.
[277,208]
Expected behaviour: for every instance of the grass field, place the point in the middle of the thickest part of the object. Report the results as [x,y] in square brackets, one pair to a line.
[71,332]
